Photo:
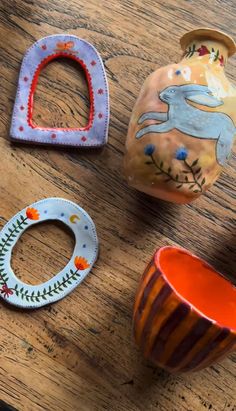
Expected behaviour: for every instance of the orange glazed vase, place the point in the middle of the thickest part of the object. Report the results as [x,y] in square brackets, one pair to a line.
[183,123]
[185,312]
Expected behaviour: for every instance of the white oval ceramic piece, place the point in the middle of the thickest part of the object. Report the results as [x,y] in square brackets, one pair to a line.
[84,255]
[49,48]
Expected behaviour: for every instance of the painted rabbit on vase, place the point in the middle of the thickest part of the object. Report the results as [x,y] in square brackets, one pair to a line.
[183,124]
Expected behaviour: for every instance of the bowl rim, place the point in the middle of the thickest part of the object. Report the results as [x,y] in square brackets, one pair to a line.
[183,299]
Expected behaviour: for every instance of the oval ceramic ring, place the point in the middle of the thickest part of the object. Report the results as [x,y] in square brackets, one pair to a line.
[84,255]
[185,312]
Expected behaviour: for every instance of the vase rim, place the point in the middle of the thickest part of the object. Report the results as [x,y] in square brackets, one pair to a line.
[207,34]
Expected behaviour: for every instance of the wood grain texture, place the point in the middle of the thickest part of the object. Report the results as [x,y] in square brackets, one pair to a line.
[79,354]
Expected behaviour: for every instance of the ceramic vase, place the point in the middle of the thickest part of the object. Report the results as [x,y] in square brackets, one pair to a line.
[182,126]
[185,312]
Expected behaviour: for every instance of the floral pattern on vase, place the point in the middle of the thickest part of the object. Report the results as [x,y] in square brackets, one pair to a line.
[192,173]
[214,54]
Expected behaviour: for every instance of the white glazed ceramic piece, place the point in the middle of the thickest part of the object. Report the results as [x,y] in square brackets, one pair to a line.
[49,48]
[84,255]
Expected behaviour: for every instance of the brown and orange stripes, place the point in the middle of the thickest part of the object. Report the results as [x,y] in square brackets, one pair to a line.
[170,332]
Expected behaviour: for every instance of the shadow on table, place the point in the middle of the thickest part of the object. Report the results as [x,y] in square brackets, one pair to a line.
[5,407]
[223,258]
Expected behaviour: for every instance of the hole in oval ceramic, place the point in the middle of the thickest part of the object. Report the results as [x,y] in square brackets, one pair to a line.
[200,285]
[42,251]
[61,98]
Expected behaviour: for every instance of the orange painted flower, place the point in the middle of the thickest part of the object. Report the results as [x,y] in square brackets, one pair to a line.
[32,213]
[81,263]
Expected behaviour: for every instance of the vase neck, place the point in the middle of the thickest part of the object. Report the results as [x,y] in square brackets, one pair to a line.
[207,51]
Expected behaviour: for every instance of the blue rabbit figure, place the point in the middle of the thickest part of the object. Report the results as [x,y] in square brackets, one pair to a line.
[191,120]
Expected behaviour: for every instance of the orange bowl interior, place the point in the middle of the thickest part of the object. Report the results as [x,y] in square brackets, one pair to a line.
[199,284]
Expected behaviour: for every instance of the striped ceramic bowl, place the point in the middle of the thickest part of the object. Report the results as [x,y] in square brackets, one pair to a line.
[184,313]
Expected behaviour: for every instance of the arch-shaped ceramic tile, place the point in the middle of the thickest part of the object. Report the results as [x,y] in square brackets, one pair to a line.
[95,134]
[18,293]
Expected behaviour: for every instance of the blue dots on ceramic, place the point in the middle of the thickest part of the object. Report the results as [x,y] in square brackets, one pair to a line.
[149,149]
[181,153]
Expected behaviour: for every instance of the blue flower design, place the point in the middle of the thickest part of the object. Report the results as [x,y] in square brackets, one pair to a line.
[181,153]
[149,149]
[178,72]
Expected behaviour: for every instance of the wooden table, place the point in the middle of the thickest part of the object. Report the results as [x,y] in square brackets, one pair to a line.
[79,354]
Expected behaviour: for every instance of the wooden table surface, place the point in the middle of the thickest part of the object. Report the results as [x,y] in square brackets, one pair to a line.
[79,353]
